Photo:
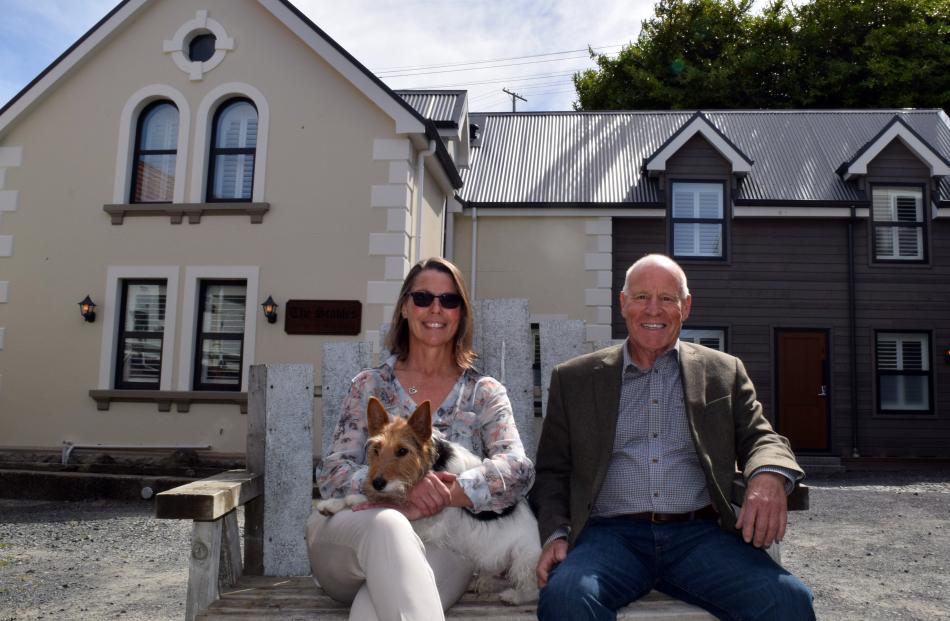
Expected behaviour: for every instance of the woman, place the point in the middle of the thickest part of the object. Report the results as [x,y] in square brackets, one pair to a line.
[371,556]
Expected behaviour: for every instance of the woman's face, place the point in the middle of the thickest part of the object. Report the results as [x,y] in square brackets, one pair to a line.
[434,325]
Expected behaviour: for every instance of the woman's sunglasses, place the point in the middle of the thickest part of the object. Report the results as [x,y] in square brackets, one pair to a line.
[424,299]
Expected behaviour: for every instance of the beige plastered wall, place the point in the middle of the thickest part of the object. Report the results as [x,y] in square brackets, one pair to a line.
[313,244]
[539,258]
[433,198]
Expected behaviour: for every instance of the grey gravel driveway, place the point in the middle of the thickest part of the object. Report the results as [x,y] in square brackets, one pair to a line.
[873,546]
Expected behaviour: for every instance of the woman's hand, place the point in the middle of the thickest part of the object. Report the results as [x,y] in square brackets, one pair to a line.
[428,497]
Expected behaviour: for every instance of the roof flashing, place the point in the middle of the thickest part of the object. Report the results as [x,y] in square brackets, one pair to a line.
[897,129]
[698,124]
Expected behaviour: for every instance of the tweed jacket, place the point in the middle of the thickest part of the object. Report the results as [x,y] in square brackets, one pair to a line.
[726,423]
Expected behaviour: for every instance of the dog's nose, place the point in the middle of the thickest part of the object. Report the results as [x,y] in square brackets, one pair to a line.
[379,483]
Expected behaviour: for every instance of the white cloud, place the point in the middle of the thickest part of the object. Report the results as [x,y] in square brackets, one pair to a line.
[389,33]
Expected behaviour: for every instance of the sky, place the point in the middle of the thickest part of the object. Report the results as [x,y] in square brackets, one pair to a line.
[531,47]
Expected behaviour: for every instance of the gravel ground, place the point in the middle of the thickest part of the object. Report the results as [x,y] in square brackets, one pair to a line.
[874,546]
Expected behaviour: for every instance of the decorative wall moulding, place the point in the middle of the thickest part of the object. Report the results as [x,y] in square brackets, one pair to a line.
[180,48]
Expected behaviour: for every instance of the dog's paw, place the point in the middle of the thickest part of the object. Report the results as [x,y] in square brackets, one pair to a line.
[355,499]
[513,597]
[331,506]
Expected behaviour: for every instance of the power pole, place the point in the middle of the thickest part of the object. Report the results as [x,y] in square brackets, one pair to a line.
[513,97]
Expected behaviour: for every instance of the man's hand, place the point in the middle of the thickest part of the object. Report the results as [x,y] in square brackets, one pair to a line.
[551,555]
[764,512]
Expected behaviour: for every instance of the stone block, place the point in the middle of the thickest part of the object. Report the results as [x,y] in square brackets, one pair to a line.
[11,157]
[280,444]
[392,149]
[341,363]
[391,196]
[397,220]
[597,261]
[600,226]
[9,199]
[561,340]
[382,291]
[391,244]
[506,352]
[599,333]
[597,297]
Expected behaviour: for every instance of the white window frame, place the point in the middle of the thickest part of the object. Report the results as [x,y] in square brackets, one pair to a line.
[194,274]
[202,147]
[893,193]
[925,339]
[110,319]
[695,187]
[128,122]
[691,335]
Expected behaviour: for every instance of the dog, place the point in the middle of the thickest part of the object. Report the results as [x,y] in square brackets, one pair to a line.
[399,453]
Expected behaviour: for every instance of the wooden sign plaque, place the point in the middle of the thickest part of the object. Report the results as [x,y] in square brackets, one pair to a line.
[342,317]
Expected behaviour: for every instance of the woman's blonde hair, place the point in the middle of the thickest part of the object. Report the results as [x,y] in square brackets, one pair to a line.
[397,340]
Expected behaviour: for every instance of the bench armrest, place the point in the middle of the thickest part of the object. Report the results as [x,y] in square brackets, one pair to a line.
[797,500]
[211,498]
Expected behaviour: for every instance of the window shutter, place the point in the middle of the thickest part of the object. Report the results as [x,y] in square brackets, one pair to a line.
[714,339]
[710,204]
[912,355]
[683,202]
[887,352]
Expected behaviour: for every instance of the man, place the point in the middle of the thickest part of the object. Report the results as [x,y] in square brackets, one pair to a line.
[634,468]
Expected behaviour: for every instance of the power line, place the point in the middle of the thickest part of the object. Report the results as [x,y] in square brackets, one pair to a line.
[530,62]
[493,60]
[538,76]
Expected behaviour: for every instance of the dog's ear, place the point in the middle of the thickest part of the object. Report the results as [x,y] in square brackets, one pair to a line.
[421,422]
[376,416]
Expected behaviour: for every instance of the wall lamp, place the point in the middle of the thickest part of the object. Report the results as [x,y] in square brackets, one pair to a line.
[270,309]
[87,308]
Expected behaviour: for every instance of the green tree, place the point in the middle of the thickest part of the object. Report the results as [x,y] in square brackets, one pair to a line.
[827,53]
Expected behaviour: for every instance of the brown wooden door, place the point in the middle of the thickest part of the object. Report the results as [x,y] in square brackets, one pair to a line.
[803,390]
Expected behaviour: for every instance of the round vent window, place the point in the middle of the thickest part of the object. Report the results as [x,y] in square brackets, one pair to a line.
[201,48]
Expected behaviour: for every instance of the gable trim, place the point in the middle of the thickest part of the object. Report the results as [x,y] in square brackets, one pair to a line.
[896,128]
[407,120]
[698,124]
[38,87]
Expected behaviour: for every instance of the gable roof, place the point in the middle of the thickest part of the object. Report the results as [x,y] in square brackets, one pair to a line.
[698,124]
[406,118]
[595,159]
[896,129]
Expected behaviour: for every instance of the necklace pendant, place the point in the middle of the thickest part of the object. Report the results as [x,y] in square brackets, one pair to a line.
[413,390]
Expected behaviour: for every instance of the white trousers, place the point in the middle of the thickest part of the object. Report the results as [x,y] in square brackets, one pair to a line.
[375,562]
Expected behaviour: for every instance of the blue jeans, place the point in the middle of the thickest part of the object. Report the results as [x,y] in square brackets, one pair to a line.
[616,561]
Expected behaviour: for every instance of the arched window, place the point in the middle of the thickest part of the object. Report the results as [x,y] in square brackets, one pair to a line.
[233,148]
[156,149]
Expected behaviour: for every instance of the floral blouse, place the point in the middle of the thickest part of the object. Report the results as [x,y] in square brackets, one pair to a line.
[476,414]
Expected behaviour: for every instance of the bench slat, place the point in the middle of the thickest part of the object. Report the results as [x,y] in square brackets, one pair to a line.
[260,598]
[210,498]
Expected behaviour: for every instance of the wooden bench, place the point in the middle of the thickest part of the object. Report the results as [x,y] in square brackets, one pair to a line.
[273,581]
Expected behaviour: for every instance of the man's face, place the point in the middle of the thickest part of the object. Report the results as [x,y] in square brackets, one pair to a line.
[653,310]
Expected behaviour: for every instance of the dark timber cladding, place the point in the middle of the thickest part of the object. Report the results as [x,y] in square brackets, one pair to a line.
[801,181]
[791,273]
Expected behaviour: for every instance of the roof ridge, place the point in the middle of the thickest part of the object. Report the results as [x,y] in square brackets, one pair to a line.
[691,112]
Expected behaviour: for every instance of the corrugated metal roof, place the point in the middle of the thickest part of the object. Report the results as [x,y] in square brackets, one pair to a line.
[439,106]
[595,158]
